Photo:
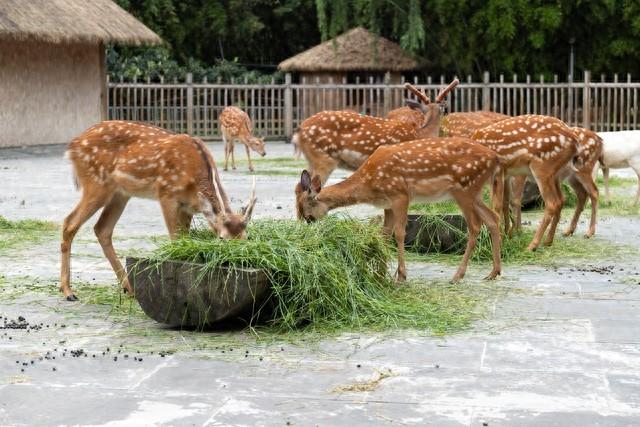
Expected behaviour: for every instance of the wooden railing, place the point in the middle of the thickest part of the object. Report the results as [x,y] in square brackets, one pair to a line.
[278,108]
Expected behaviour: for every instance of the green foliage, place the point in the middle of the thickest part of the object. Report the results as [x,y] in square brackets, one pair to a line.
[461,37]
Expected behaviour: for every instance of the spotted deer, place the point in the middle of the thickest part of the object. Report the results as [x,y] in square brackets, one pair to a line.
[235,124]
[538,145]
[581,180]
[465,124]
[345,139]
[429,169]
[424,115]
[115,160]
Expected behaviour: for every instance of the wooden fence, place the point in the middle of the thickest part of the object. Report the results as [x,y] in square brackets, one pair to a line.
[278,108]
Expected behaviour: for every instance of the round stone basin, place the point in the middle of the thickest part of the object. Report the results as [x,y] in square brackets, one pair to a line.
[184,294]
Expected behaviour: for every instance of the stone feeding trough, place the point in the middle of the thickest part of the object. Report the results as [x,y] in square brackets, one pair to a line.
[430,233]
[184,294]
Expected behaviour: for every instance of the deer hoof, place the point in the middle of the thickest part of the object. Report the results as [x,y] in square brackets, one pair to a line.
[589,235]
[567,233]
[532,247]
[493,275]
[72,298]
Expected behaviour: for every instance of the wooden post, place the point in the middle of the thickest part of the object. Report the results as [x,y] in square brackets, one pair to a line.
[288,108]
[189,111]
[486,92]
[387,93]
[586,101]
[104,86]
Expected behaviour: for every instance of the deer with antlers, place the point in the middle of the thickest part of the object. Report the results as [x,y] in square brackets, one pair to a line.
[235,124]
[538,145]
[424,115]
[115,160]
[579,177]
[345,139]
[429,169]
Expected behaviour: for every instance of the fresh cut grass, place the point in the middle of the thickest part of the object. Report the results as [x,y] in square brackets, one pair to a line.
[15,234]
[331,275]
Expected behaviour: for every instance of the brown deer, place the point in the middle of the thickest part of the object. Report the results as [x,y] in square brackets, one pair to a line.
[345,139]
[235,124]
[465,124]
[580,179]
[427,169]
[115,160]
[538,145]
[423,115]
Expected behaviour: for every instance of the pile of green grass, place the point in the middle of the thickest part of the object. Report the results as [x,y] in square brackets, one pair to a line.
[328,276]
[14,234]
[514,249]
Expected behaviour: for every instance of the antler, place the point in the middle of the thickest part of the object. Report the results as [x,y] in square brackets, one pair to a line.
[223,209]
[248,211]
[444,92]
[417,92]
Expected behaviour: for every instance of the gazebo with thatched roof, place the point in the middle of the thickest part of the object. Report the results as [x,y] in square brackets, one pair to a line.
[358,53]
[53,68]
[355,56]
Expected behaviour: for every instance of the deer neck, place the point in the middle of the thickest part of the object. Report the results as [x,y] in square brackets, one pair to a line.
[431,126]
[349,192]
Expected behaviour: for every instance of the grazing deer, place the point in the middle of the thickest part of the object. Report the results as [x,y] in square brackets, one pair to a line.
[427,169]
[345,139]
[538,145]
[581,180]
[235,124]
[115,160]
[620,150]
[465,124]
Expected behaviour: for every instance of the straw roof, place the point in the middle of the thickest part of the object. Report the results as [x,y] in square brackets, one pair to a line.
[64,21]
[355,50]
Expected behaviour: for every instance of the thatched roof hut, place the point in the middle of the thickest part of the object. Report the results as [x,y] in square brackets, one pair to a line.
[356,51]
[53,67]
[355,56]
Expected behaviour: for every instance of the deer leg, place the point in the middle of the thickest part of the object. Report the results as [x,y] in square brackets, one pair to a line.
[497,194]
[581,193]
[506,213]
[473,228]
[89,204]
[249,157]
[636,168]
[232,149]
[226,151]
[556,217]
[170,208]
[387,228]
[400,208]
[104,232]
[605,178]
[551,204]
[184,221]
[590,186]
[517,192]
[490,219]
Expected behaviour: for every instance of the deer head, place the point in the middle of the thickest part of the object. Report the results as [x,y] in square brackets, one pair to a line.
[228,224]
[309,208]
[257,145]
[424,114]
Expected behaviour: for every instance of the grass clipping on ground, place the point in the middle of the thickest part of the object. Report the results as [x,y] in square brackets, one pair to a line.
[329,275]
[17,233]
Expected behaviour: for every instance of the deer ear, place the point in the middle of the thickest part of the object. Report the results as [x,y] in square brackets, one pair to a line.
[305,180]
[316,184]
